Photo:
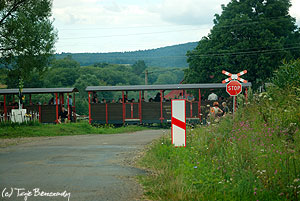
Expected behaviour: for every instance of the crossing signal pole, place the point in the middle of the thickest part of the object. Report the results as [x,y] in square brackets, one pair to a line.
[234,87]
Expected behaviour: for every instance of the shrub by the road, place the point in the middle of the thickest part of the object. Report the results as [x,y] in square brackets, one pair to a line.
[255,156]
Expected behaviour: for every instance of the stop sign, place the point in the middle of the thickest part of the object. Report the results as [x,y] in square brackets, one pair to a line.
[234,88]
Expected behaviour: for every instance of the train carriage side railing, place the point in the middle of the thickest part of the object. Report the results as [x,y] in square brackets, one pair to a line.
[146,112]
[46,113]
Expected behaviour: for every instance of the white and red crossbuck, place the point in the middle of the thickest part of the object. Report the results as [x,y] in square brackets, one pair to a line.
[178,131]
[234,76]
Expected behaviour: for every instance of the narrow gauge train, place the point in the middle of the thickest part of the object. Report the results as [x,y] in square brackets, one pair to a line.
[113,113]
[142,112]
[44,112]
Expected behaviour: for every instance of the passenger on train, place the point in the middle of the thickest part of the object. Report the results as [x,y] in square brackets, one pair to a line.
[120,100]
[180,96]
[103,100]
[63,115]
[71,106]
[132,100]
[95,98]
[157,97]
[190,98]
[212,96]
[51,101]
[225,109]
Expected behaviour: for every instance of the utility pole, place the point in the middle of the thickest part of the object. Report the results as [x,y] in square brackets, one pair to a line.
[146,83]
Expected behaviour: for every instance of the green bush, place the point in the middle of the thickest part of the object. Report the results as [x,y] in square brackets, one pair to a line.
[253,156]
[288,75]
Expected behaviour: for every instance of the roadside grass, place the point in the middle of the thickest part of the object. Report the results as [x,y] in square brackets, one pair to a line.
[255,156]
[35,129]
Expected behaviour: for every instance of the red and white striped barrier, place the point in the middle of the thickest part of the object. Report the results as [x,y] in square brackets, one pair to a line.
[178,131]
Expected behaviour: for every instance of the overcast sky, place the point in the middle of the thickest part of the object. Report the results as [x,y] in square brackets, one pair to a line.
[128,25]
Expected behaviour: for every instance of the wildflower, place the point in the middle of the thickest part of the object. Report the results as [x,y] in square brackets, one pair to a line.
[195,167]
[254,193]
[296,180]
[275,171]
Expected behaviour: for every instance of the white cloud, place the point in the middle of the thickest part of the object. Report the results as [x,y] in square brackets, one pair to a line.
[102,13]
[294,11]
[193,12]
[96,18]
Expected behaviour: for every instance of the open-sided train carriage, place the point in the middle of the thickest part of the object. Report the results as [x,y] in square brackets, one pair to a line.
[146,112]
[46,113]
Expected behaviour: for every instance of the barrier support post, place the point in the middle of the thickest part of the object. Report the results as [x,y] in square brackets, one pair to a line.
[40,113]
[106,114]
[5,108]
[199,106]
[68,102]
[56,99]
[90,119]
[246,95]
[140,107]
[74,108]
[161,106]
[123,106]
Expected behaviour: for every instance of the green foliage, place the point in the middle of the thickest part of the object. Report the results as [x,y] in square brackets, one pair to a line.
[253,156]
[172,56]
[250,34]
[61,77]
[166,78]
[138,67]
[9,130]
[27,37]
[66,62]
[63,73]
[288,75]
[244,158]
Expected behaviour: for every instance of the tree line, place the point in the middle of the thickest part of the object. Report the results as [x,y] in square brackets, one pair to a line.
[67,72]
[171,56]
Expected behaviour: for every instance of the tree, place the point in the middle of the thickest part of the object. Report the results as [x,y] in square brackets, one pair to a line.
[138,67]
[27,36]
[166,78]
[249,34]
[66,62]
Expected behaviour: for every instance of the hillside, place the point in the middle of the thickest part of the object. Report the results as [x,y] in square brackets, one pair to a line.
[170,56]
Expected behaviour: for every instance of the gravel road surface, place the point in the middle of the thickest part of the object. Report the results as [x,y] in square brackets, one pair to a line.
[74,168]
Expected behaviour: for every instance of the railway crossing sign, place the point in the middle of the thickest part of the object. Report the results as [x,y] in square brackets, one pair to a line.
[234,88]
[234,76]
[178,129]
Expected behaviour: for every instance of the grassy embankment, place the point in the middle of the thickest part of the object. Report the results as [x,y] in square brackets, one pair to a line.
[35,129]
[255,156]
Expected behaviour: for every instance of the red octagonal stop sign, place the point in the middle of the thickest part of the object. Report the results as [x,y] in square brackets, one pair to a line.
[234,88]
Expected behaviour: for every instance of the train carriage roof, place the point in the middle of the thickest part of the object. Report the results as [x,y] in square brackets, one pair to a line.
[160,87]
[38,90]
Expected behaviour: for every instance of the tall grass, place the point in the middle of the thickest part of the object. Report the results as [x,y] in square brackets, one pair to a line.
[253,156]
[35,129]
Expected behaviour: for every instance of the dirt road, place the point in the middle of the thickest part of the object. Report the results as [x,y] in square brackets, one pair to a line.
[75,168]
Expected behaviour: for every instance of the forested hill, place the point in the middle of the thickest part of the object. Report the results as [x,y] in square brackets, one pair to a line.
[171,56]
